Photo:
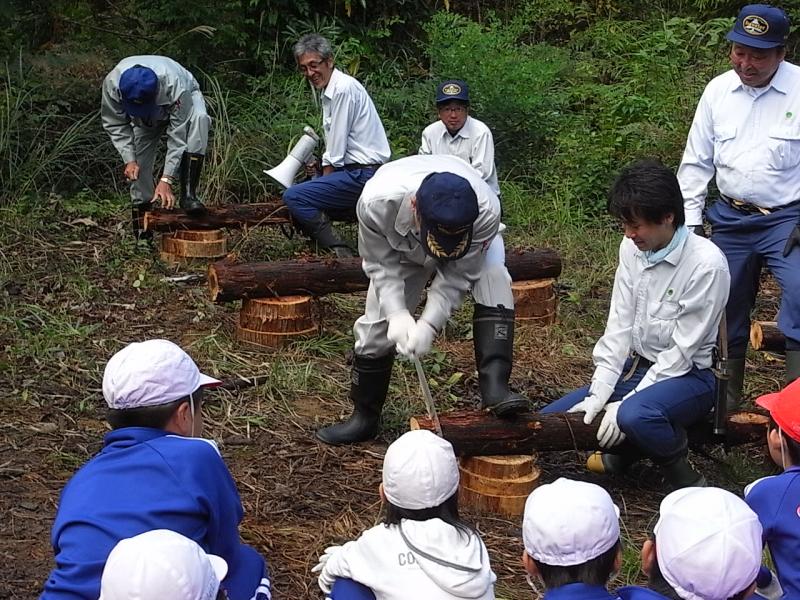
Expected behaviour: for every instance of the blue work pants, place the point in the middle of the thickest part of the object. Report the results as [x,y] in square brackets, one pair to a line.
[655,420]
[748,242]
[335,194]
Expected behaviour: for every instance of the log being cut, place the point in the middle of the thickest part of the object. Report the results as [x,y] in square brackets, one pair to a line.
[231,216]
[478,433]
[229,280]
[765,336]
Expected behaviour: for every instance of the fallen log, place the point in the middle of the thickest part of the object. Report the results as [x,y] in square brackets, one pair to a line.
[765,336]
[477,433]
[232,216]
[229,280]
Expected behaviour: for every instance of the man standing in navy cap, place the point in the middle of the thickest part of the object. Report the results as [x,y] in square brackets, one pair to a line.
[143,98]
[420,219]
[746,132]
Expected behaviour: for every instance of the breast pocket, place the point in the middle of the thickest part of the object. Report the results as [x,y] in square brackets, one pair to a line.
[784,147]
[724,138]
[664,319]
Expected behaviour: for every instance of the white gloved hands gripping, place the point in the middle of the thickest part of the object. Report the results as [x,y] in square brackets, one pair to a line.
[596,399]
[609,434]
[420,340]
[401,324]
[325,580]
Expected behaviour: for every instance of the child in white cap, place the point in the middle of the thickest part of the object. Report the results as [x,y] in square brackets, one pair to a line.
[706,546]
[776,499]
[422,550]
[160,565]
[152,473]
[571,534]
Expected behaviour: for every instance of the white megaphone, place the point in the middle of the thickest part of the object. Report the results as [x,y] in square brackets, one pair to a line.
[298,157]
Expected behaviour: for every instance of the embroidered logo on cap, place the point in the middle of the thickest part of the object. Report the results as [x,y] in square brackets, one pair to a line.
[755,25]
[451,89]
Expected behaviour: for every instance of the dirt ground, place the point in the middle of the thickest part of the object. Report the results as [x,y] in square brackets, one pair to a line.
[70,299]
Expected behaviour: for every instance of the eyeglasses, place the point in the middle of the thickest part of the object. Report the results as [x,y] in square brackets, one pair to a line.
[312,65]
[454,109]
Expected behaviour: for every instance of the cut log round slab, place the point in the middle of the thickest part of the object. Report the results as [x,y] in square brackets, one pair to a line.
[228,280]
[535,301]
[276,322]
[478,433]
[189,243]
[497,484]
[765,336]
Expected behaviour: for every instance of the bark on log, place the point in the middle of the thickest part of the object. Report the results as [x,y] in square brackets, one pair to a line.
[232,216]
[477,433]
[316,277]
[765,336]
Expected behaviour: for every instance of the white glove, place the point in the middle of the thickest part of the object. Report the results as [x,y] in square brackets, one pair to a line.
[400,325]
[772,591]
[609,434]
[598,396]
[324,580]
[420,340]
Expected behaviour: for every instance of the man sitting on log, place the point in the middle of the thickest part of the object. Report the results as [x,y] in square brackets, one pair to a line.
[423,217]
[145,97]
[355,146]
[653,364]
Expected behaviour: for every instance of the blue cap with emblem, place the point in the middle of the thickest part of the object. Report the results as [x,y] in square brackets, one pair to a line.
[760,26]
[447,207]
[138,87]
[452,89]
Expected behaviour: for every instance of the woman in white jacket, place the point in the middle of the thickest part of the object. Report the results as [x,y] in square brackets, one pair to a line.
[422,549]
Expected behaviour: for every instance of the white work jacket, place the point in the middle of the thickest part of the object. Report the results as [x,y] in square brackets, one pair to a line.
[389,241]
[668,312]
[750,137]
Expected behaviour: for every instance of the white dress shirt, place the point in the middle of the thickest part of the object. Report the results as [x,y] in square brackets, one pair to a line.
[750,137]
[668,312]
[389,241]
[473,143]
[353,130]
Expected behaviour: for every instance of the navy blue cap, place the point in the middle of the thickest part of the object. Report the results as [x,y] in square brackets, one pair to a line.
[452,89]
[760,26]
[139,88]
[447,207]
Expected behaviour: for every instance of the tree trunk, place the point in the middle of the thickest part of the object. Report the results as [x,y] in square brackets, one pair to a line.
[765,335]
[319,276]
[215,217]
[477,433]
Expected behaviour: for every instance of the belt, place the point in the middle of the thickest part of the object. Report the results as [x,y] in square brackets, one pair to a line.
[356,166]
[751,209]
[639,362]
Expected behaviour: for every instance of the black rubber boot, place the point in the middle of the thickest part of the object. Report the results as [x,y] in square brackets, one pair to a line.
[137,221]
[321,231]
[368,388]
[191,166]
[792,365]
[613,464]
[735,383]
[493,337]
[680,474]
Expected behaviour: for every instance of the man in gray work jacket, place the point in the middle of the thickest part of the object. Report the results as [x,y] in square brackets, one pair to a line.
[421,219]
[143,98]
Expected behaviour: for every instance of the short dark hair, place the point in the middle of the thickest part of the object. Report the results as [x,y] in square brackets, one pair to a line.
[592,572]
[646,190]
[154,417]
[792,446]
[447,511]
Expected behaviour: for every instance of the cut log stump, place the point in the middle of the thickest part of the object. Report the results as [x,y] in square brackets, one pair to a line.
[535,301]
[765,336]
[497,484]
[188,244]
[276,322]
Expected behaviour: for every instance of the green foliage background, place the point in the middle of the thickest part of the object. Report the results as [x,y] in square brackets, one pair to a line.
[571,89]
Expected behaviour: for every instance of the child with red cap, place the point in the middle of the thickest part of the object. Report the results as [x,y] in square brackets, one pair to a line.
[776,499]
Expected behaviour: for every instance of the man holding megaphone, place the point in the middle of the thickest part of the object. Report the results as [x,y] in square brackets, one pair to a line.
[355,146]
